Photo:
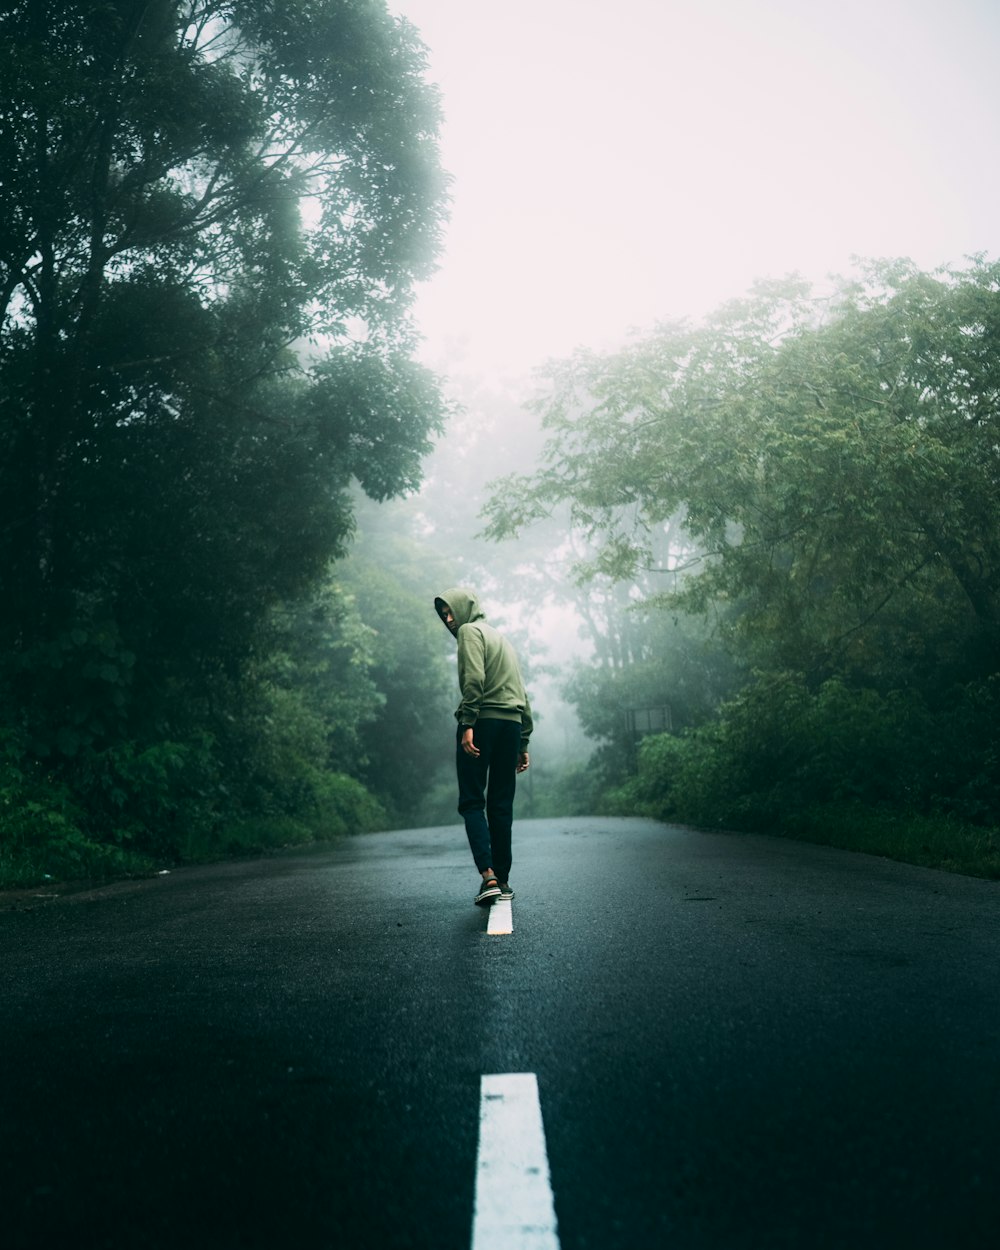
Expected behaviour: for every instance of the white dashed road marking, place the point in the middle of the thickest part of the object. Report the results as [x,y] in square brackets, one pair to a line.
[501,917]
[514,1208]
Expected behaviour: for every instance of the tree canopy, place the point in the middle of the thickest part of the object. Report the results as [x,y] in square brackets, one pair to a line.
[816,474]
[212,215]
[832,462]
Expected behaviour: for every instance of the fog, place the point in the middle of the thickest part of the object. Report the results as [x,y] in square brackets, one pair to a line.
[785,500]
[615,167]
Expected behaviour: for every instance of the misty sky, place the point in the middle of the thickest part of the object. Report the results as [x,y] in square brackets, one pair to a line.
[617,163]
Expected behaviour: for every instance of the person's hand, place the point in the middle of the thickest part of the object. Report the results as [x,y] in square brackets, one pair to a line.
[523,762]
[468,746]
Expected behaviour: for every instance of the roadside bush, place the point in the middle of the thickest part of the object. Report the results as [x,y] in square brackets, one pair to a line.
[133,808]
[852,768]
[339,805]
[778,749]
[153,797]
[344,806]
[679,778]
[965,760]
[936,841]
[571,791]
[43,829]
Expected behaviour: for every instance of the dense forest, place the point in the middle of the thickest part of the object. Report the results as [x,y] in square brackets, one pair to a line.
[212,216]
[752,564]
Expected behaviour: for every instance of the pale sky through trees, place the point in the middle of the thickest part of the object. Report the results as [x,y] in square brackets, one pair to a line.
[615,164]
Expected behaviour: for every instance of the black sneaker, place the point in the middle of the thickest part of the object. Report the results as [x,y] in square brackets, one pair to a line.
[506,893]
[490,890]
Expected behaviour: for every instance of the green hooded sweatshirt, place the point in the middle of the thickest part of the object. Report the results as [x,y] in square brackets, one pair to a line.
[488,673]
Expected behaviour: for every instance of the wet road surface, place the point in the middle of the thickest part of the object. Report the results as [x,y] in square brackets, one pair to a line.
[736,1042]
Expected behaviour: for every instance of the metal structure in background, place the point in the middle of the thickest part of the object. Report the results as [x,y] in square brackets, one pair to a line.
[648,720]
[640,721]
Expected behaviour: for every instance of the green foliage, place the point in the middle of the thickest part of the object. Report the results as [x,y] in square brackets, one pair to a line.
[817,478]
[936,841]
[671,663]
[191,193]
[339,806]
[151,796]
[319,666]
[45,830]
[833,463]
[778,746]
[569,790]
[406,745]
[881,769]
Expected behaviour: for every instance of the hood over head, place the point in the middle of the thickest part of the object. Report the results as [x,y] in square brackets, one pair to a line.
[464,606]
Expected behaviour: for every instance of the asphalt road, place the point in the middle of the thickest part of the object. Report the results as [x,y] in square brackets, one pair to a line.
[739,1042]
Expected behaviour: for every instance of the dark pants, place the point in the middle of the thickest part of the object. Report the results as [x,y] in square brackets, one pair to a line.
[486,792]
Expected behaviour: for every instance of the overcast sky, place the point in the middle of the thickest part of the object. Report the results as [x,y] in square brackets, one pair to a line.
[615,163]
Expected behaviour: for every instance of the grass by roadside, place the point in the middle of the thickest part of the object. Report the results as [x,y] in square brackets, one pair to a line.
[931,841]
[941,842]
[67,864]
[26,868]
[22,888]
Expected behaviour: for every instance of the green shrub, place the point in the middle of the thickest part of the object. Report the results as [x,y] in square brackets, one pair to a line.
[935,841]
[779,748]
[44,829]
[847,767]
[679,778]
[339,805]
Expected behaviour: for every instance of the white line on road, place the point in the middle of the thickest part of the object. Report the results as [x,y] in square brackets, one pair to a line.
[501,917]
[514,1208]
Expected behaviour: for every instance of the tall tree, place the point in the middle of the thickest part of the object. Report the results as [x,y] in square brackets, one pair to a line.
[833,461]
[192,190]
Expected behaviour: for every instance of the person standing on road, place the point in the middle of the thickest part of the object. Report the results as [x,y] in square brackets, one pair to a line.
[494,725]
